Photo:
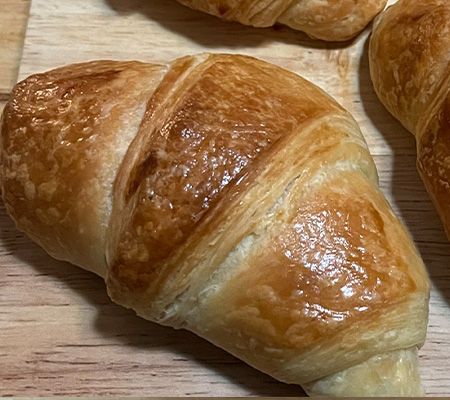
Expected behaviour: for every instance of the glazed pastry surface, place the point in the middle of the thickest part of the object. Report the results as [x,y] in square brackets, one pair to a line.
[230,197]
[331,20]
[410,68]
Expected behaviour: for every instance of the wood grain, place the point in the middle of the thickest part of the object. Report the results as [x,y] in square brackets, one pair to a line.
[13,19]
[59,333]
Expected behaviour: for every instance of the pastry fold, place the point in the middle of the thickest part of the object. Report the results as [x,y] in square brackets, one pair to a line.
[226,196]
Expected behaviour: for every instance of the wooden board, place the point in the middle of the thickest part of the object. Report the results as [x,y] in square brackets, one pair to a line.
[13,18]
[59,333]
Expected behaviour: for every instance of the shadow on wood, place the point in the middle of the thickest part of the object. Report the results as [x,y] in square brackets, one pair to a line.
[121,325]
[407,187]
[211,32]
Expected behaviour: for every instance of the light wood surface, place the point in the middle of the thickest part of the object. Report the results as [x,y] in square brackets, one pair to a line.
[59,333]
[13,19]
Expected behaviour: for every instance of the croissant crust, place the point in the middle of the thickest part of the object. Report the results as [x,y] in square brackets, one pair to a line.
[227,196]
[410,68]
[329,20]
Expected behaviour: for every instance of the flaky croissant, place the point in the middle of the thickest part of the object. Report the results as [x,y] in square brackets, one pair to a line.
[410,69]
[230,197]
[331,20]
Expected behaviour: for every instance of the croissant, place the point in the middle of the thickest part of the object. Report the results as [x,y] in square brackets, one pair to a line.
[410,69]
[226,196]
[329,20]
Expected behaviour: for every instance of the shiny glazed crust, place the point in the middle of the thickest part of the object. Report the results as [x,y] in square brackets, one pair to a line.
[410,68]
[227,196]
[331,20]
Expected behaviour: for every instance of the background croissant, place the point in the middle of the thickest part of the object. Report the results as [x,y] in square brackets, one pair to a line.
[230,197]
[329,20]
[410,68]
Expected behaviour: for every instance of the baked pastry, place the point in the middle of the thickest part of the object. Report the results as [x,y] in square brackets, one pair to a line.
[230,197]
[329,20]
[410,69]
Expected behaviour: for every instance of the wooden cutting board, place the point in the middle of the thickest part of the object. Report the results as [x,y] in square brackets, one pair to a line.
[13,19]
[60,334]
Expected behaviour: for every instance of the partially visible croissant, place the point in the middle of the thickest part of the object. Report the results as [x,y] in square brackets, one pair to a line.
[230,197]
[331,20]
[410,68]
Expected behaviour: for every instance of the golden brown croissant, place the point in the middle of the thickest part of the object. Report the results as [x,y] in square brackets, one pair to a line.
[230,197]
[331,20]
[410,68]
